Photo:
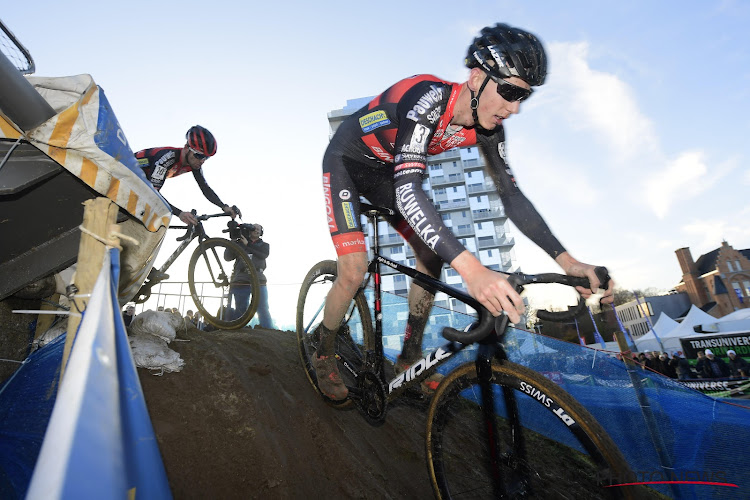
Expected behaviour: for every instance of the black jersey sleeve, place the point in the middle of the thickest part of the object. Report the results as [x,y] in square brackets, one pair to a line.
[206,189]
[519,208]
[419,111]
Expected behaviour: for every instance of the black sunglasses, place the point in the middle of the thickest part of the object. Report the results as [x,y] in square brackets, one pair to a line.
[198,155]
[512,93]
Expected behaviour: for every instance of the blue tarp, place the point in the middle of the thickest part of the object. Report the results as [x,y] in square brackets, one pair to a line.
[99,441]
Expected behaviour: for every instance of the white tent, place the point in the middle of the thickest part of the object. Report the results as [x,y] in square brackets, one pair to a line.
[648,342]
[670,339]
[736,321]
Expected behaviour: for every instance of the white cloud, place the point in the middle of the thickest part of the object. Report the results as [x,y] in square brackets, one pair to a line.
[600,101]
[680,179]
[705,235]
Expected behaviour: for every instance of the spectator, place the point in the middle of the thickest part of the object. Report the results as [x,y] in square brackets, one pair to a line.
[189,315]
[738,367]
[258,250]
[198,321]
[680,365]
[664,367]
[128,315]
[699,363]
[714,367]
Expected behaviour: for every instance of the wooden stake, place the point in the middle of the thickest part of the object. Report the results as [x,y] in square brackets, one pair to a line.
[99,214]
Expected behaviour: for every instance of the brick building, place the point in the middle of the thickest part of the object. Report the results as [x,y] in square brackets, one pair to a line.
[719,281]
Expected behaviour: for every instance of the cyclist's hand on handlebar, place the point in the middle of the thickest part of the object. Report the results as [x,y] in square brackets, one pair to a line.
[490,288]
[573,267]
[233,211]
[188,218]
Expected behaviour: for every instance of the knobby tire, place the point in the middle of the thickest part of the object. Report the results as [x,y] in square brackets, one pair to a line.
[210,254]
[310,306]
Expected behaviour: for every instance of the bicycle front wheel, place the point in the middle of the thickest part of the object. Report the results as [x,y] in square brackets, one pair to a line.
[555,450]
[213,266]
[355,333]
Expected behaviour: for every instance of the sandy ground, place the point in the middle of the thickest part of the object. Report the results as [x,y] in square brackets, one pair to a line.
[241,420]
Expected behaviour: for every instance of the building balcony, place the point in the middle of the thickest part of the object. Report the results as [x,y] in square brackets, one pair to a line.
[473,164]
[445,180]
[463,231]
[447,155]
[488,214]
[495,242]
[453,205]
[390,239]
[486,187]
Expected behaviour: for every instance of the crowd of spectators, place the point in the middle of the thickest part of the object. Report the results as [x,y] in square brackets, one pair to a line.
[707,365]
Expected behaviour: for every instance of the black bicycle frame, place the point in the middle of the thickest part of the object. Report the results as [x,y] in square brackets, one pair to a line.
[489,348]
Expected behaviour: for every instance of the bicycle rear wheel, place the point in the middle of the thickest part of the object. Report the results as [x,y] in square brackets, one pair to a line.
[355,334]
[209,276]
[560,451]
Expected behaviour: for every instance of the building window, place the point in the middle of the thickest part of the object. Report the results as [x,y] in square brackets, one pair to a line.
[737,289]
[450,272]
[479,225]
[436,167]
[489,253]
[729,265]
[445,216]
[737,263]
[439,191]
[746,284]
[468,150]
[479,198]
[455,189]
[463,213]
[455,164]
[394,250]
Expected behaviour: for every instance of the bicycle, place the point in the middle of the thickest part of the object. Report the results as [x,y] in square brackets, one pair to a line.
[215,263]
[476,441]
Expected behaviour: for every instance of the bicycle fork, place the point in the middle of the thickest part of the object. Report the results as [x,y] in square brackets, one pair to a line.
[513,460]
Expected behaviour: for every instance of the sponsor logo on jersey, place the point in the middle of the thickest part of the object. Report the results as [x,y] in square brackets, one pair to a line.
[428,99]
[143,162]
[351,222]
[372,142]
[434,115]
[332,227]
[373,120]
[349,242]
[344,194]
[501,151]
[453,141]
[406,157]
[407,204]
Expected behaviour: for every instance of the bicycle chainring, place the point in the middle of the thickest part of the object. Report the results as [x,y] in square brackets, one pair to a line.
[373,403]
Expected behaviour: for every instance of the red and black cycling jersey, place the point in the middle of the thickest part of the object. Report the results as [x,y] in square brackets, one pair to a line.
[394,134]
[159,164]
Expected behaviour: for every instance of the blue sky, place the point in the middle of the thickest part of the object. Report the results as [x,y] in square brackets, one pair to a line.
[635,146]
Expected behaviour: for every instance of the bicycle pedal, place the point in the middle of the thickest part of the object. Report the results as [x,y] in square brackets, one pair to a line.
[156,275]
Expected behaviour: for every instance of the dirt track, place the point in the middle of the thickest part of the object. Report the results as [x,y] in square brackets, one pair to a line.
[242,421]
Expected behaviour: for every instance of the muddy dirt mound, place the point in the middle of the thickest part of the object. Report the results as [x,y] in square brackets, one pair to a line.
[242,421]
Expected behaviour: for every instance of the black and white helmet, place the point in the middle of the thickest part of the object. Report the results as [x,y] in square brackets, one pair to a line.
[503,51]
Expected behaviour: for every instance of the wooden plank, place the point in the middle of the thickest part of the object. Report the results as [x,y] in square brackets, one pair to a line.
[98,217]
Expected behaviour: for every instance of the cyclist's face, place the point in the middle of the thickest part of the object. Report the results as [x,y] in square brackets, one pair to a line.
[193,160]
[493,109]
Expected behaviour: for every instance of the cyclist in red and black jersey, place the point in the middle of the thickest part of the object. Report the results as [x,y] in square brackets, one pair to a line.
[161,163]
[380,153]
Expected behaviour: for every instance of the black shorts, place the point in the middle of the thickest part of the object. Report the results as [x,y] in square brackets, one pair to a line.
[344,182]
